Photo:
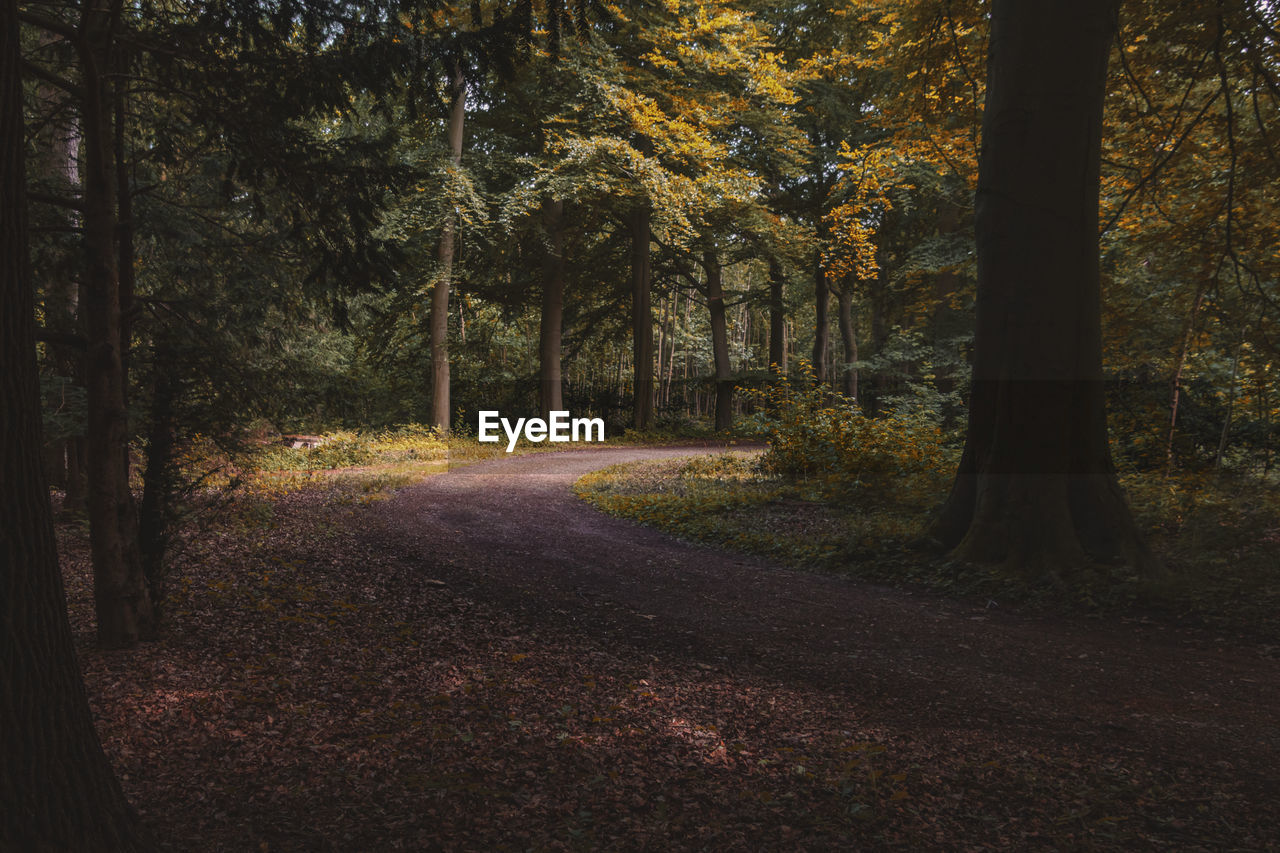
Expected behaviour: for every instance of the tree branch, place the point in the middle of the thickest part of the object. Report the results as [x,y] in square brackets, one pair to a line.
[56,201]
[66,339]
[52,79]
[51,25]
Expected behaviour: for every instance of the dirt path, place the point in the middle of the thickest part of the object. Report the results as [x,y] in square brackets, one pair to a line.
[509,532]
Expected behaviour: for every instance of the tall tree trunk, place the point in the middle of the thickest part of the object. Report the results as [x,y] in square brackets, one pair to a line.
[667,376]
[777,320]
[56,786]
[549,338]
[945,285]
[849,336]
[664,310]
[1036,489]
[719,342]
[439,322]
[61,142]
[821,320]
[641,318]
[1231,402]
[155,514]
[57,140]
[876,386]
[1175,384]
[120,592]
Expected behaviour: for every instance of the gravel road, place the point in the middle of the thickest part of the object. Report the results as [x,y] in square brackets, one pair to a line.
[509,532]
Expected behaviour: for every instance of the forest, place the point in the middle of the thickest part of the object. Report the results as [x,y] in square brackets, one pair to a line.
[933,343]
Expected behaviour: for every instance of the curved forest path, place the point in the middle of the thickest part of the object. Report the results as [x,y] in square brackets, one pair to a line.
[937,673]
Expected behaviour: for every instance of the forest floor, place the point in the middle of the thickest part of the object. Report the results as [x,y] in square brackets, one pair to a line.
[481,661]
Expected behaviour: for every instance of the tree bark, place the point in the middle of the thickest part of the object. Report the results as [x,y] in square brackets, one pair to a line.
[155,514]
[1231,402]
[777,320]
[62,287]
[120,593]
[821,320]
[641,319]
[550,332]
[1175,383]
[56,786]
[58,139]
[1036,489]
[439,322]
[848,335]
[719,342]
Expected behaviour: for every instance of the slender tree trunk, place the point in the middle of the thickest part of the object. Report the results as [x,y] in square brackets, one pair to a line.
[552,306]
[120,592]
[875,387]
[664,310]
[719,342]
[945,285]
[62,288]
[849,336]
[439,322]
[1036,489]
[155,514]
[821,320]
[126,257]
[641,319]
[667,376]
[1231,403]
[1175,384]
[777,320]
[56,786]
[59,287]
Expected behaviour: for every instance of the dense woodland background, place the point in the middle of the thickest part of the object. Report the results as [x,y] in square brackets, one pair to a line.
[255,218]
[297,217]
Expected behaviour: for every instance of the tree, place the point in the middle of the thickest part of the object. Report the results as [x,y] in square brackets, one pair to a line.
[123,606]
[551,325]
[56,785]
[439,321]
[1036,489]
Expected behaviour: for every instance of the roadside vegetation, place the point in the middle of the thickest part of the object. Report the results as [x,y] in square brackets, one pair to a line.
[315,693]
[838,491]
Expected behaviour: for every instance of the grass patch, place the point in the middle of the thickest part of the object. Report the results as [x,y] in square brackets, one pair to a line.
[735,500]
[1220,538]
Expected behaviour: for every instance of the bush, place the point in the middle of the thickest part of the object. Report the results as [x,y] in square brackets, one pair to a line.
[819,437]
[345,449]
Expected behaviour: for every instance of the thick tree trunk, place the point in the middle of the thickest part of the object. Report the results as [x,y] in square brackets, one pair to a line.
[777,320]
[56,787]
[641,319]
[549,338]
[849,336]
[55,140]
[120,593]
[719,342]
[61,142]
[439,322]
[821,320]
[1036,489]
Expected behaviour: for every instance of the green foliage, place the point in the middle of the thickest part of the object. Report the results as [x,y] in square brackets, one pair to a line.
[821,439]
[65,407]
[345,449]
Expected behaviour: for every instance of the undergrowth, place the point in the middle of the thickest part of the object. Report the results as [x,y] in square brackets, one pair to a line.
[843,492]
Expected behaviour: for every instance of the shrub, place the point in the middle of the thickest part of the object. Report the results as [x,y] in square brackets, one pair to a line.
[345,449]
[818,437]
